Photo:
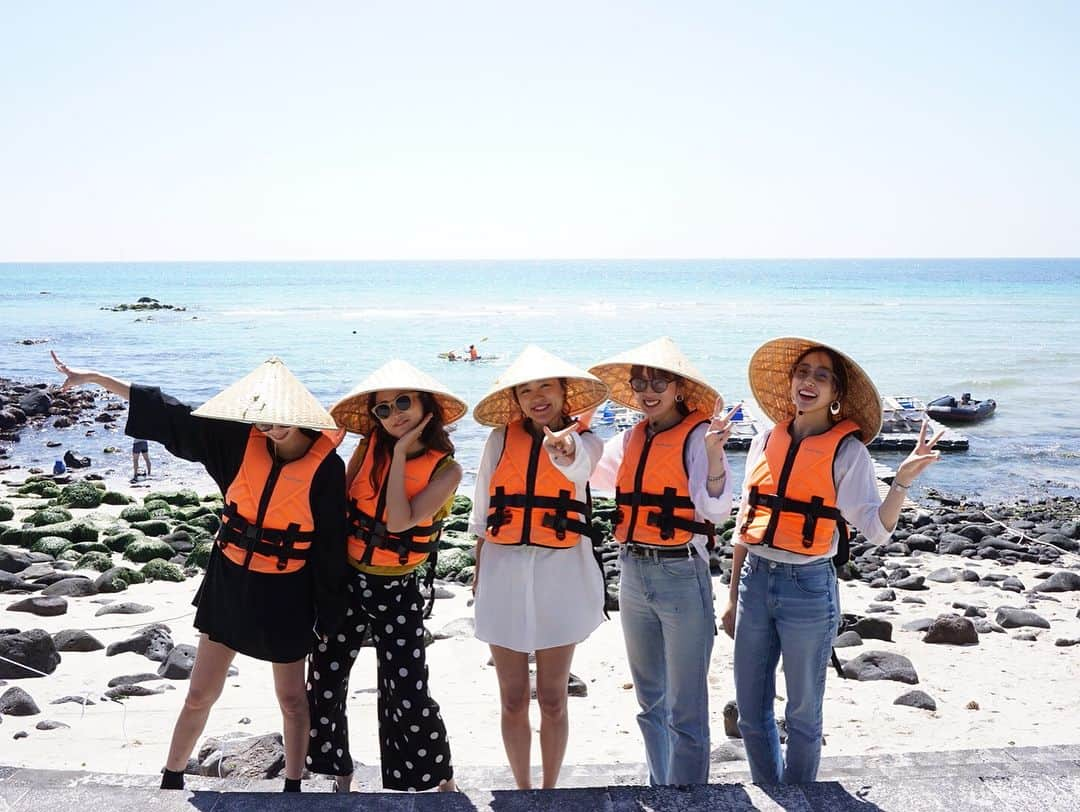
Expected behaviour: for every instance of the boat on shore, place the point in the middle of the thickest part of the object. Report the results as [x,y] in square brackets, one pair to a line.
[901,419]
[949,409]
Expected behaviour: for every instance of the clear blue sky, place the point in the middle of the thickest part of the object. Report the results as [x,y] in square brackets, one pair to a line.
[355,130]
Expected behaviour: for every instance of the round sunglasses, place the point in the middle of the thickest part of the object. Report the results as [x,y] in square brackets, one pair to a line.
[383,410]
[658,385]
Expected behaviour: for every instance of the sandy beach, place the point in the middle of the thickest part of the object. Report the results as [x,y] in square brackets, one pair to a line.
[1002,691]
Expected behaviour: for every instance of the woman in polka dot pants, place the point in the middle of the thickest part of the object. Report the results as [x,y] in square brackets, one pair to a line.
[401,482]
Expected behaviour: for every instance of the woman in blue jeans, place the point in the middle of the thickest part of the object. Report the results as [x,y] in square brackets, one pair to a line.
[671,483]
[806,479]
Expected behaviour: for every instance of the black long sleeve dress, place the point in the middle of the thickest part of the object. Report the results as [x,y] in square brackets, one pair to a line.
[263,615]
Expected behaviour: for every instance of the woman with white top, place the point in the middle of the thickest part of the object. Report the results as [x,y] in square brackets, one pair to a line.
[671,482]
[538,587]
[807,478]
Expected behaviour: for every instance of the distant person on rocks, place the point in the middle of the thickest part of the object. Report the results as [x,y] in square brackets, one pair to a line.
[538,587]
[807,478]
[400,484]
[140,447]
[671,481]
[473,353]
[277,568]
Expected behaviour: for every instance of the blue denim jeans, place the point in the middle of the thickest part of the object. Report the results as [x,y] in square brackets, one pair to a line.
[789,610]
[666,608]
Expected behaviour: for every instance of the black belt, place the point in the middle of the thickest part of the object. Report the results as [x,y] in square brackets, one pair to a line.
[645,551]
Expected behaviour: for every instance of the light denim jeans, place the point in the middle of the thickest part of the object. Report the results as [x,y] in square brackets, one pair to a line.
[666,607]
[790,610]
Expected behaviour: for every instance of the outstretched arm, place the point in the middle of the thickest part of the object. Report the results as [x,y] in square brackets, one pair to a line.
[81,377]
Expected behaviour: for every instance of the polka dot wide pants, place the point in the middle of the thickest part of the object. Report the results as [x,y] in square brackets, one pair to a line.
[414,751]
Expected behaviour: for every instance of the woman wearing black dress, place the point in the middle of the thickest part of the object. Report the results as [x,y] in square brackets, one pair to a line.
[277,568]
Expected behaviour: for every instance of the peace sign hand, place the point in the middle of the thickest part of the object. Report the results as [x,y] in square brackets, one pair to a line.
[719,429]
[921,458]
[561,445]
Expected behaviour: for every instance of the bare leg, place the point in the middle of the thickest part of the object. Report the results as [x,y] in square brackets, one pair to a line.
[512,669]
[134,466]
[291,693]
[207,680]
[552,675]
[146,459]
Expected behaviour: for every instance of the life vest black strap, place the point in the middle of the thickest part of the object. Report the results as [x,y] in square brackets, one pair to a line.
[811,511]
[667,499]
[562,505]
[238,531]
[376,537]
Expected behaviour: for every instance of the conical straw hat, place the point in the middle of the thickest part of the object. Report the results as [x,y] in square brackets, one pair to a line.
[352,413]
[270,394]
[584,390]
[770,381]
[660,354]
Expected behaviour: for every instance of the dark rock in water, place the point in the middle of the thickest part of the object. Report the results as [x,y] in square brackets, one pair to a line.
[1013,618]
[885,595]
[1065,642]
[154,642]
[104,417]
[76,640]
[33,648]
[35,403]
[846,639]
[952,630]
[873,628]
[72,460]
[16,702]
[731,720]
[179,663]
[125,691]
[62,422]
[1063,581]
[41,606]
[248,757]
[71,588]
[125,608]
[49,724]
[919,625]
[133,679]
[15,560]
[945,575]
[917,699]
[878,665]
[78,700]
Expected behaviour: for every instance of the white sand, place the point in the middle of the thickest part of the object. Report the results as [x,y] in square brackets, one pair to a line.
[1026,692]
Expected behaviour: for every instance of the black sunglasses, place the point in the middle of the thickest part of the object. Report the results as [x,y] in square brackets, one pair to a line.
[658,385]
[383,410]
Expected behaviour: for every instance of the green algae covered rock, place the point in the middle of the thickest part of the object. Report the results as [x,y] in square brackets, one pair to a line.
[80,495]
[7,512]
[116,498]
[94,560]
[152,527]
[200,555]
[147,550]
[175,498]
[51,545]
[158,570]
[135,513]
[53,515]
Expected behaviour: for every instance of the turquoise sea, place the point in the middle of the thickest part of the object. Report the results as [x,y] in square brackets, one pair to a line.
[1007,329]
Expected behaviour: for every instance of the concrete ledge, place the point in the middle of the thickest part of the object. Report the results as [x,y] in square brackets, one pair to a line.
[1042,779]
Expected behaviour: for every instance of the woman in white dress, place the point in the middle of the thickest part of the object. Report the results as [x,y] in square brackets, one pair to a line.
[538,587]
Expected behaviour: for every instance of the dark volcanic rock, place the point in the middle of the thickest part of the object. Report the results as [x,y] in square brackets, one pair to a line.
[179,663]
[76,640]
[154,642]
[133,679]
[33,648]
[71,588]
[125,608]
[918,625]
[912,582]
[35,403]
[15,560]
[16,702]
[846,639]
[254,757]
[917,699]
[731,720]
[125,691]
[885,595]
[1013,618]
[878,665]
[49,724]
[42,606]
[945,575]
[1063,581]
[78,700]
[952,629]
[1065,642]
[873,628]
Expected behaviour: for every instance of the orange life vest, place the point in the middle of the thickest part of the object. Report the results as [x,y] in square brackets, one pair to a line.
[370,543]
[652,488]
[530,500]
[267,524]
[792,493]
